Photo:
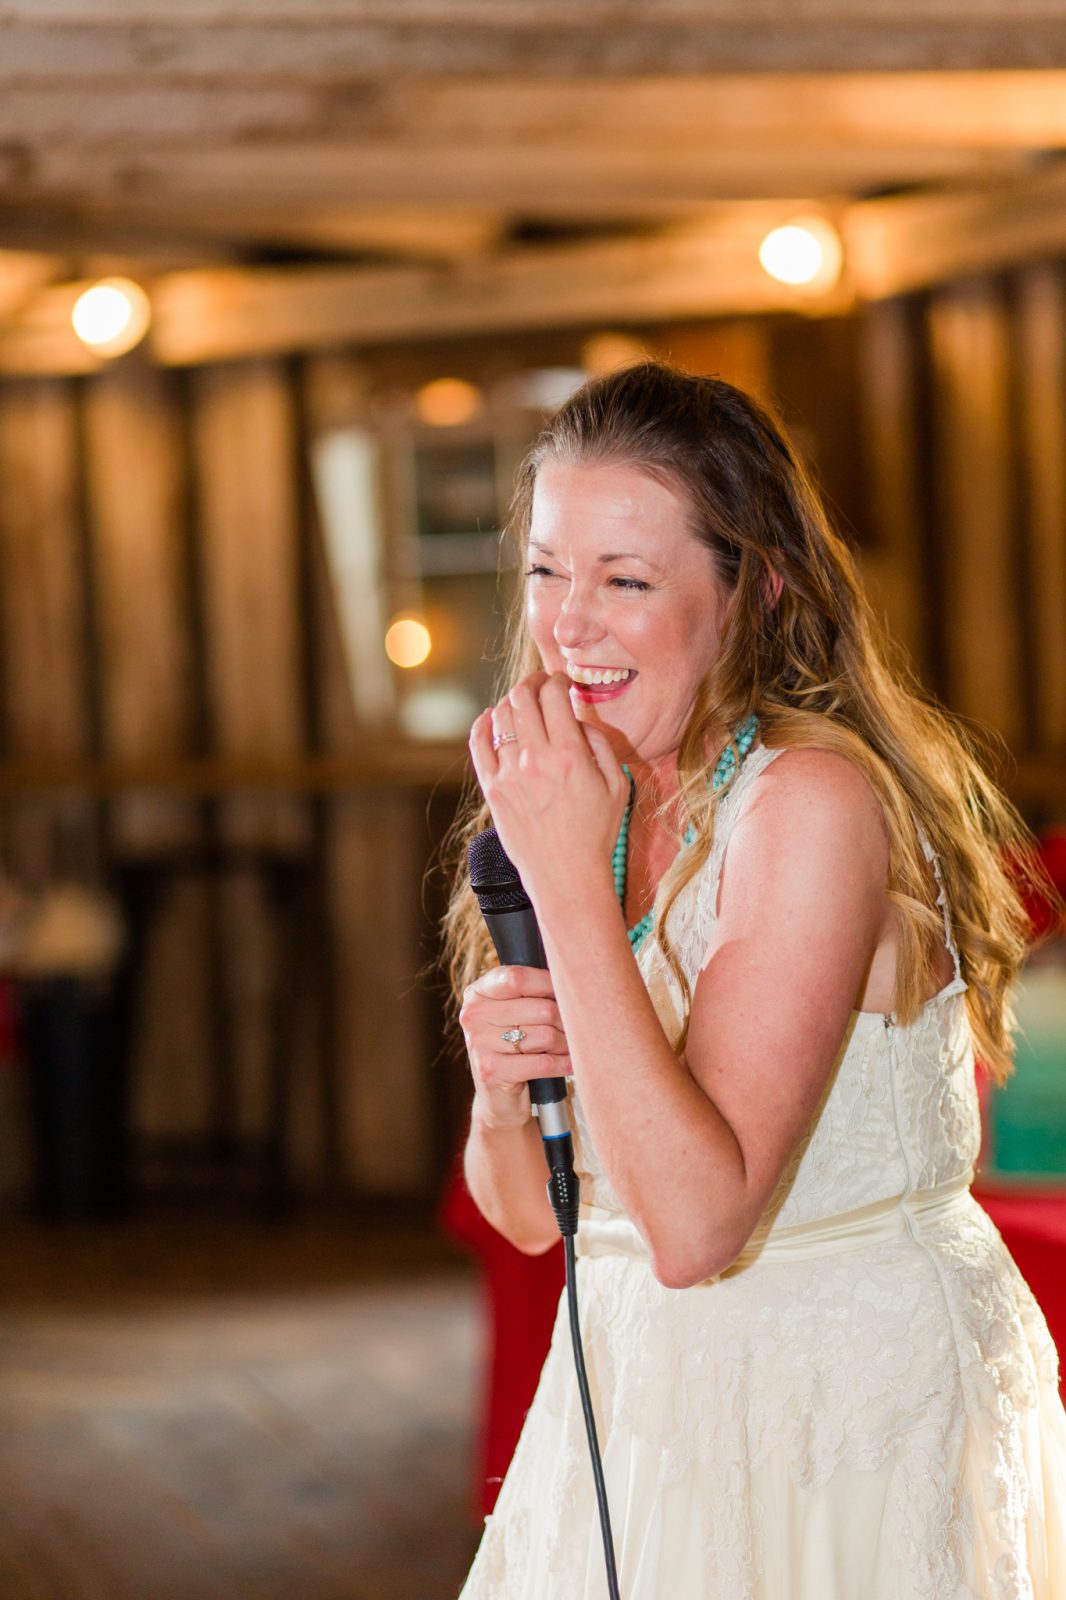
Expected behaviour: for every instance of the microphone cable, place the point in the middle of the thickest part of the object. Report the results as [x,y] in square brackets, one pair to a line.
[512,924]
[590,1420]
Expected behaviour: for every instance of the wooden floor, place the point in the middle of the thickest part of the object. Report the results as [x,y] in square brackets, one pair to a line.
[192,1412]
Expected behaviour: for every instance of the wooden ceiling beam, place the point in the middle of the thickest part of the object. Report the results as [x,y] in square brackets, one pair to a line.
[972,110]
[512,178]
[22,274]
[381,38]
[229,313]
[204,232]
[693,270]
[907,242]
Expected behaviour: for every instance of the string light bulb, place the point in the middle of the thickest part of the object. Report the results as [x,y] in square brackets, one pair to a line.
[805,253]
[111,316]
[448,402]
[407,641]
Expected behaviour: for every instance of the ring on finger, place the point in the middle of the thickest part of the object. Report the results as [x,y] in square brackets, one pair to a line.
[514,1036]
[503,738]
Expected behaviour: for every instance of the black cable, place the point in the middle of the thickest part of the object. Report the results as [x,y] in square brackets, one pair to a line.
[590,1420]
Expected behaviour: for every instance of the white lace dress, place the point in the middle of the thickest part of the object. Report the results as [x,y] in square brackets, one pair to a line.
[863,1407]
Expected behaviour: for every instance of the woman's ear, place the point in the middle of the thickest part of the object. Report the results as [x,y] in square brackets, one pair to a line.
[773,583]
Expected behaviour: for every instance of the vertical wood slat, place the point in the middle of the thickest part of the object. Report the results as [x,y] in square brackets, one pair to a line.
[373,850]
[892,561]
[133,475]
[170,1088]
[45,621]
[968,345]
[243,431]
[1042,346]
[42,599]
[243,434]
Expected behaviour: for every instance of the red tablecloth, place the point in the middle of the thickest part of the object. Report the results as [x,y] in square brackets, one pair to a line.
[522,1293]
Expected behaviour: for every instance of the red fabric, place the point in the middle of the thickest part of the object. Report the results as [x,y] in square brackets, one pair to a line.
[10,1021]
[522,1296]
[1044,915]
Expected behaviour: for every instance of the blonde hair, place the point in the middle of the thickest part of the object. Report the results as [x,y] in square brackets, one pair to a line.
[816,667]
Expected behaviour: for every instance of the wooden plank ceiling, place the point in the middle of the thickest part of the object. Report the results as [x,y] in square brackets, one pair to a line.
[397,168]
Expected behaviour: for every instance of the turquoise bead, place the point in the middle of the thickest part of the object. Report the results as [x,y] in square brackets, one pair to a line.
[744,738]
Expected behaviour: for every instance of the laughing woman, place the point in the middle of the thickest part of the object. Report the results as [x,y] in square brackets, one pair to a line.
[817,1372]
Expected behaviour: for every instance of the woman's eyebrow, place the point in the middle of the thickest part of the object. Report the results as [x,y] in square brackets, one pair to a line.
[621,555]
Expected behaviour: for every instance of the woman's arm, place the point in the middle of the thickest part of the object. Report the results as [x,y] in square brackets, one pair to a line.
[694,1149]
[507,1176]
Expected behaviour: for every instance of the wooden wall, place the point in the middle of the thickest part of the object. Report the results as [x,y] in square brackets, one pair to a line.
[165,610]
[964,401]
[164,600]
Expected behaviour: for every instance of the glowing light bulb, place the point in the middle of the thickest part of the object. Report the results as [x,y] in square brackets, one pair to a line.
[448,402]
[407,642]
[112,316]
[805,253]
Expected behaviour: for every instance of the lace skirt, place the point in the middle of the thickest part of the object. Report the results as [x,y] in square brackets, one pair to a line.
[857,1416]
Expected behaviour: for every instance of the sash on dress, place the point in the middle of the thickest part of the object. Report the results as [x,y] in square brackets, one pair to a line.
[602,1232]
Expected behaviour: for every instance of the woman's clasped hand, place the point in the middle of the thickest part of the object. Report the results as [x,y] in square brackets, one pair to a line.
[556,791]
[501,1000]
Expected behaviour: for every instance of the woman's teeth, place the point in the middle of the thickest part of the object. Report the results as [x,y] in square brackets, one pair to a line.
[597,674]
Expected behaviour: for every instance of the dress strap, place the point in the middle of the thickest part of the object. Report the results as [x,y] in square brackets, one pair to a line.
[757,760]
[942,901]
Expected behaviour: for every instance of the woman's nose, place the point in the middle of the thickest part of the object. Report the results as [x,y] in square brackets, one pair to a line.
[577,623]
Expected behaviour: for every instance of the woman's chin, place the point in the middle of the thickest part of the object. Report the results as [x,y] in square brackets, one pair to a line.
[606,719]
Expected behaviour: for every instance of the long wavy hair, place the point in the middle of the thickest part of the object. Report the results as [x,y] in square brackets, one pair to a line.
[818,669]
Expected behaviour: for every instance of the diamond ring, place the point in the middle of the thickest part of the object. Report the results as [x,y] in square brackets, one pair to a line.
[503,738]
[514,1036]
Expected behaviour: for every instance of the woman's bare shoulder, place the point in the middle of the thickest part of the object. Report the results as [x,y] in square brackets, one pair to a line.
[817,802]
[815,778]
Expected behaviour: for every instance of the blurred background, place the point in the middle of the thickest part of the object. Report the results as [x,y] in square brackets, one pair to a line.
[286,290]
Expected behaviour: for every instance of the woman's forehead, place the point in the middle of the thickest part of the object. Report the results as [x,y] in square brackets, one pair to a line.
[606,500]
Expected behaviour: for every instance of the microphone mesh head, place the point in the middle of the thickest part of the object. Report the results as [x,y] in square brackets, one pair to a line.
[493,877]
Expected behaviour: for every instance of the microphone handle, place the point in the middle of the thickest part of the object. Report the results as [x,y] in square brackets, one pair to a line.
[518,944]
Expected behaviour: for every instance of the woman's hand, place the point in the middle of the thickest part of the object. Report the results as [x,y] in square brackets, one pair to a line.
[556,792]
[512,997]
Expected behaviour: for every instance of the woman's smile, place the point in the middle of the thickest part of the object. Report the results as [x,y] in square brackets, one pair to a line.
[590,686]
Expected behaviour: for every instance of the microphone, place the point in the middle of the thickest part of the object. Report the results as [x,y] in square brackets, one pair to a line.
[512,925]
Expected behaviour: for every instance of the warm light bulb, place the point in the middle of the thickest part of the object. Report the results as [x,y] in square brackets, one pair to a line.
[407,642]
[805,253]
[448,402]
[112,316]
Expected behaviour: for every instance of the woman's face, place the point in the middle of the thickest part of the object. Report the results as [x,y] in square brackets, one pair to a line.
[619,584]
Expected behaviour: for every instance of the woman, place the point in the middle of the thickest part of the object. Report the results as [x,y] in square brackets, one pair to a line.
[816,1370]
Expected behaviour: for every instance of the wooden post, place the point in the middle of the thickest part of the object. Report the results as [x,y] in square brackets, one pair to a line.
[968,346]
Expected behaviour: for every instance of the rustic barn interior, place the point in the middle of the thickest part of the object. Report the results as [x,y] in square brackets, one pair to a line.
[373,244]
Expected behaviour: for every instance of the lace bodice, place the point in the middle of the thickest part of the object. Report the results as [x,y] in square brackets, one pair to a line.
[899,1111]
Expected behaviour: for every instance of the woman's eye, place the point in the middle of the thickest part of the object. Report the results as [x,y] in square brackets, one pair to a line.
[636,585]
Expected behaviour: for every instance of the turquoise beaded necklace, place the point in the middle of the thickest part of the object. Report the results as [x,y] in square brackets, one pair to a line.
[727,762]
